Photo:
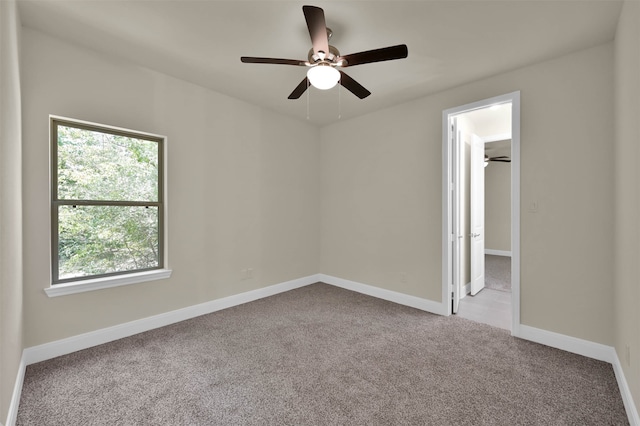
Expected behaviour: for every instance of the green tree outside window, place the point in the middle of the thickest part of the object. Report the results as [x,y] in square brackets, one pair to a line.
[106,201]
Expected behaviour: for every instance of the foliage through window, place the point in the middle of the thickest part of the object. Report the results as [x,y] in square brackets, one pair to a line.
[107,201]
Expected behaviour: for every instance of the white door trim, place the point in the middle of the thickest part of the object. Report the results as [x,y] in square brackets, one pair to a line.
[514,99]
[456,202]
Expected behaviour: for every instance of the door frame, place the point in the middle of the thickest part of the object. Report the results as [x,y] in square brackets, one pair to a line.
[447,201]
[456,202]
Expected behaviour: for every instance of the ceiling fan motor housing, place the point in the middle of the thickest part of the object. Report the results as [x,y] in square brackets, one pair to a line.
[325,60]
[331,57]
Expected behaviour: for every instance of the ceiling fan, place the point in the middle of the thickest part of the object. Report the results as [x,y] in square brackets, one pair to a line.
[499,159]
[325,62]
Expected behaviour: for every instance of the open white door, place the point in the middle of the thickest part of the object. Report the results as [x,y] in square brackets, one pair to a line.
[456,212]
[477,215]
[448,218]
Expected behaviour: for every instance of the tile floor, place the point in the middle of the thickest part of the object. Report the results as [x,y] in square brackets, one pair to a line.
[489,306]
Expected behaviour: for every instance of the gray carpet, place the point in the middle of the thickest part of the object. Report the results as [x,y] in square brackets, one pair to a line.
[320,355]
[497,272]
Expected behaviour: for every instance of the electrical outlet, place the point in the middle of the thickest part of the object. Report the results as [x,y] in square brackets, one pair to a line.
[403,277]
[246,274]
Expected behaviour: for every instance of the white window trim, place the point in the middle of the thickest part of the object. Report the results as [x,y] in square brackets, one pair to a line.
[92,284]
[106,282]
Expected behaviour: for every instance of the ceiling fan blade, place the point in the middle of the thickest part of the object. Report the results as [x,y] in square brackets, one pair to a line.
[353,86]
[253,60]
[299,90]
[317,29]
[499,160]
[377,55]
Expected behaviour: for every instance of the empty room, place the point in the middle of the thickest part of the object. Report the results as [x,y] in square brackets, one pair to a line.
[258,212]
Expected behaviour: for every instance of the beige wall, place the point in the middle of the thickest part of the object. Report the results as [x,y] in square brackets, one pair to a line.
[497,206]
[244,193]
[627,231]
[10,206]
[243,187]
[382,192]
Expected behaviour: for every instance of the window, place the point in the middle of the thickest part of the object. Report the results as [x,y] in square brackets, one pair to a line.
[107,202]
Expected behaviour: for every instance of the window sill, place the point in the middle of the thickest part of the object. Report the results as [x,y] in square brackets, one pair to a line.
[106,282]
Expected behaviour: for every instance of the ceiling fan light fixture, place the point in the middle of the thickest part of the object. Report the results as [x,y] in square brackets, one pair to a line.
[323,76]
[324,59]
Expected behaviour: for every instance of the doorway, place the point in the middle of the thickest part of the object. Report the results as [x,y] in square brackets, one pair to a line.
[477,136]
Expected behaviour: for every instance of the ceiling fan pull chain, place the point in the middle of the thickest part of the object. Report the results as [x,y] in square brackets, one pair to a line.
[324,61]
[340,99]
[308,90]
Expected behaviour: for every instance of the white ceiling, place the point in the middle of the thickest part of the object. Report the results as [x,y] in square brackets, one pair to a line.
[450,42]
[493,124]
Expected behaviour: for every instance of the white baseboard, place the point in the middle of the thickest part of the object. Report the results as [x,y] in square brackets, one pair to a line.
[83,341]
[62,347]
[567,343]
[625,392]
[380,293]
[590,350]
[17,392]
[497,252]
[466,290]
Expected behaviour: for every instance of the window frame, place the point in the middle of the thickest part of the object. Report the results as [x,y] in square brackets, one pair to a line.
[90,282]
